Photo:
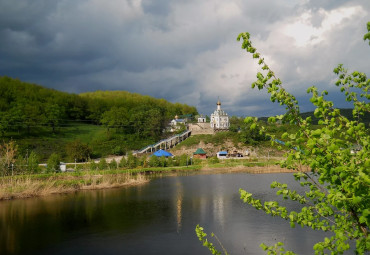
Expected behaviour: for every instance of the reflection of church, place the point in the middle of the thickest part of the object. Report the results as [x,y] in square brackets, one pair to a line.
[219,119]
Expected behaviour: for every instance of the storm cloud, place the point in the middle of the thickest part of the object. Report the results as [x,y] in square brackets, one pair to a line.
[183,51]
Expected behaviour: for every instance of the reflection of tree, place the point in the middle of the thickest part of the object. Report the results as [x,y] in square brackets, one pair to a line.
[179,198]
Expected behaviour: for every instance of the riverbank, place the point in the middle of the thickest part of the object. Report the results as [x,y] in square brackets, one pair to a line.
[251,169]
[26,186]
[36,185]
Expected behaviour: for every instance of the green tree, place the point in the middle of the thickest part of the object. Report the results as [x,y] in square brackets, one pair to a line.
[93,165]
[339,183]
[53,115]
[33,163]
[77,150]
[163,161]
[116,117]
[102,165]
[113,164]
[252,136]
[337,195]
[53,163]
[132,161]
[154,161]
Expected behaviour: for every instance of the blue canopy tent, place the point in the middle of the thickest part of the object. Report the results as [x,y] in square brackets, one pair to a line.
[162,153]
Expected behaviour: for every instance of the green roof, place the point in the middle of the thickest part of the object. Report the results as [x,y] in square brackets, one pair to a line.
[199,151]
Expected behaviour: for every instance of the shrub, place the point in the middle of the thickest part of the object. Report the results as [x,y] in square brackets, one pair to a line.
[153,161]
[123,162]
[102,165]
[132,161]
[213,160]
[33,163]
[113,164]
[53,164]
[78,151]
[93,165]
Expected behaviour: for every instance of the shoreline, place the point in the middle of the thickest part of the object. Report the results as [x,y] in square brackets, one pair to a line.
[20,187]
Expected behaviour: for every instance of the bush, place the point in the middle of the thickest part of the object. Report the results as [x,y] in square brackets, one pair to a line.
[93,165]
[123,162]
[154,161]
[213,160]
[143,161]
[162,161]
[53,163]
[102,165]
[33,163]
[113,164]
[78,151]
[132,161]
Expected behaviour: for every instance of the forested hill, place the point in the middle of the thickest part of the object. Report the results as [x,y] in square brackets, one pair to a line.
[25,107]
[345,112]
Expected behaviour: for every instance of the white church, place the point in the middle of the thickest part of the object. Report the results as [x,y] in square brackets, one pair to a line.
[219,119]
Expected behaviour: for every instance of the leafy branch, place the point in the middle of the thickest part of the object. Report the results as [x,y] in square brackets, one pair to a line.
[338,181]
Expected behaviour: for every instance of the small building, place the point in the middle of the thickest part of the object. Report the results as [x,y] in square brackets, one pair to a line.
[202,119]
[177,124]
[222,154]
[200,153]
[63,167]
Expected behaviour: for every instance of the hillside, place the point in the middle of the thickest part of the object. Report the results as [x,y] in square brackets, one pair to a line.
[345,112]
[225,141]
[109,122]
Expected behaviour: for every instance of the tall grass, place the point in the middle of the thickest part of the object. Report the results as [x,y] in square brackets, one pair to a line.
[41,185]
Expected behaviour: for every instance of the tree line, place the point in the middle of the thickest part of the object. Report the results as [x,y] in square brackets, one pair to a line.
[25,108]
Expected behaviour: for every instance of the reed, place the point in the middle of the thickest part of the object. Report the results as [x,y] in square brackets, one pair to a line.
[30,186]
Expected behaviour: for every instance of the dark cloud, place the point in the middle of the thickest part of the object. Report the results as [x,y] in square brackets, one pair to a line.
[182,51]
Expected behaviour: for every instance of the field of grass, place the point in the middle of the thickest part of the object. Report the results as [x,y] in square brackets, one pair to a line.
[101,141]
[216,139]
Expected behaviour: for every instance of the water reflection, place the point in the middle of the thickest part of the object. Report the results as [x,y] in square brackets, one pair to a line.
[179,197]
[158,217]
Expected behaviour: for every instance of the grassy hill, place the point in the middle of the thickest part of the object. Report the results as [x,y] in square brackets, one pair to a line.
[45,120]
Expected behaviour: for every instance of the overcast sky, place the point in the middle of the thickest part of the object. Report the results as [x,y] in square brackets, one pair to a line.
[184,50]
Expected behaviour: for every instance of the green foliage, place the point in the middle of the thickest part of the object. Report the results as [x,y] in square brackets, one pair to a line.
[102,165]
[78,151]
[132,161]
[143,161]
[211,247]
[184,160]
[163,162]
[367,35]
[53,164]
[33,163]
[45,120]
[197,161]
[251,134]
[123,162]
[113,164]
[277,249]
[153,161]
[8,155]
[213,160]
[93,165]
[338,195]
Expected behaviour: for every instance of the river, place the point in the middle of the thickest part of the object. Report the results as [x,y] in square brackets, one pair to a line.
[158,217]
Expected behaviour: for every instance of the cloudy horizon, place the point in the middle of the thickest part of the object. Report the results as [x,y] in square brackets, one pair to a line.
[184,51]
